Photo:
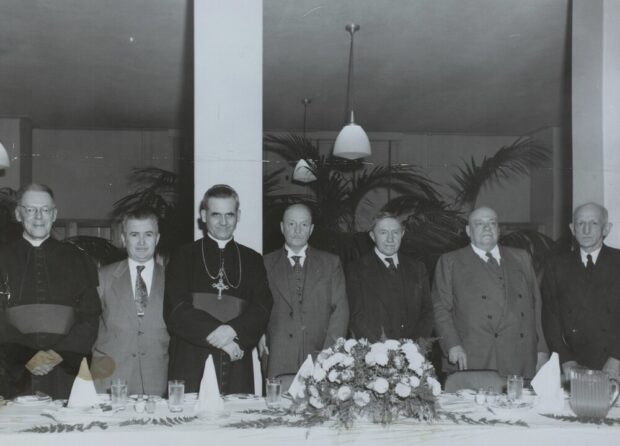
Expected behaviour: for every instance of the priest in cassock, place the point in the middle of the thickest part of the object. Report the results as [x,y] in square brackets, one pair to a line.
[49,306]
[217,300]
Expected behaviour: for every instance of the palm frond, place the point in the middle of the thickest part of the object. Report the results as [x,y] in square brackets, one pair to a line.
[514,159]
[536,244]
[291,147]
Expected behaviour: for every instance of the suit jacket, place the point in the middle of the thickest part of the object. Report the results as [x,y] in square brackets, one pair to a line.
[370,303]
[496,320]
[296,330]
[138,346]
[581,311]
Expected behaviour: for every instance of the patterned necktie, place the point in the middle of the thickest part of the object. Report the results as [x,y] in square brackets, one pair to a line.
[297,265]
[141,293]
[492,262]
[391,266]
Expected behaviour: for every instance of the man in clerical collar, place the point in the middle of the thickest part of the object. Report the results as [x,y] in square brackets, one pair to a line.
[310,308]
[581,297]
[51,308]
[217,300]
[133,339]
[388,291]
[487,304]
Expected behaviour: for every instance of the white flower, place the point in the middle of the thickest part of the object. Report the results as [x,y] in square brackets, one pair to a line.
[363,342]
[378,347]
[381,385]
[392,344]
[313,391]
[402,390]
[316,402]
[318,374]
[347,375]
[370,358]
[414,381]
[339,343]
[409,347]
[398,362]
[344,393]
[333,376]
[381,359]
[349,344]
[348,361]
[361,398]
[415,360]
[325,354]
[434,384]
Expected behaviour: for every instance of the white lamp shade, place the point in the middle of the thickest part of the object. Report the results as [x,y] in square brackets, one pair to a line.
[303,173]
[4,158]
[352,142]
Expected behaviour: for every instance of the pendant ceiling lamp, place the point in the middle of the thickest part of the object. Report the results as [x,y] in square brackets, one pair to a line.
[4,158]
[352,142]
[304,172]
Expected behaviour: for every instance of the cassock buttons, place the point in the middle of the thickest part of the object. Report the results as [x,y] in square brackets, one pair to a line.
[290,335]
[489,316]
[484,297]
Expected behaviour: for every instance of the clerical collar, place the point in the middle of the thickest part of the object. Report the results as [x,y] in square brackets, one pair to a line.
[220,243]
[35,243]
[483,254]
[301,254]
[383,257]
[594,254]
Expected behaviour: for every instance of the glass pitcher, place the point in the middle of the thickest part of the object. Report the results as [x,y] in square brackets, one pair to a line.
[592,393]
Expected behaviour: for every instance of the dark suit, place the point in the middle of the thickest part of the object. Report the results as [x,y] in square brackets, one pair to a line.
[581,310]
[295,328]
[494,316]
[381,303]
[137,345]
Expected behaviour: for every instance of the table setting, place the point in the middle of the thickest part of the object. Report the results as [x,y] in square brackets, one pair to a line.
[545,412]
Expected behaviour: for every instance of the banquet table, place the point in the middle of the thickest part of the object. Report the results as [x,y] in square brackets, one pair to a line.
[497,426]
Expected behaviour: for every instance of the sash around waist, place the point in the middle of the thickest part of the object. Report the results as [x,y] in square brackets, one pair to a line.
[223,309]
[42,318]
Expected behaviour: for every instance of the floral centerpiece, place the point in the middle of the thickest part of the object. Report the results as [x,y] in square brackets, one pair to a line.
[379,382]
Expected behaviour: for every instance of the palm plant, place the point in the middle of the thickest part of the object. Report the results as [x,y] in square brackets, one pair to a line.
[433,225]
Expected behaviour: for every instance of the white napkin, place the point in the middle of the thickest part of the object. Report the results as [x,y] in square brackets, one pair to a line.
[209,399]
[83,393]
[548,388]
[296,390]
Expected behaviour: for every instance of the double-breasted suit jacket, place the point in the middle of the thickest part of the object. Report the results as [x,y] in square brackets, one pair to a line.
[581,309]
[494,317]
[395,305]
[138,345]
[295,328]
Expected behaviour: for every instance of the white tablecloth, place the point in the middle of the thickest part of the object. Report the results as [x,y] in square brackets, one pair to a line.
[212,431]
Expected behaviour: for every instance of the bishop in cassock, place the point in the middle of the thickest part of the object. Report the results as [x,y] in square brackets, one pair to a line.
[217,300]
[49,307]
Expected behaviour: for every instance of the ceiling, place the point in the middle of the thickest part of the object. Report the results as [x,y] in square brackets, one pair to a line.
[476,66]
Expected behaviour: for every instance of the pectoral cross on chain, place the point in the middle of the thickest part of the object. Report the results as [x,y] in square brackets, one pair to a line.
[220,285]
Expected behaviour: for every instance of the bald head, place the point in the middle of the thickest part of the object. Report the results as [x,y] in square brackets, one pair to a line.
[296,226]
[590,226]
[483,228]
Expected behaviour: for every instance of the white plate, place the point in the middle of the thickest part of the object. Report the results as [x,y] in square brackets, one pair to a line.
[32,400]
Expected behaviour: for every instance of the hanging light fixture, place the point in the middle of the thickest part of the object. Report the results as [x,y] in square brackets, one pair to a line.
[352,142]
[303,172]
[4,158]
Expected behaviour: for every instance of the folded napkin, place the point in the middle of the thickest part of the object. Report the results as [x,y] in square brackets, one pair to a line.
[296,390]
[548,388]
[83,393]
[209,399]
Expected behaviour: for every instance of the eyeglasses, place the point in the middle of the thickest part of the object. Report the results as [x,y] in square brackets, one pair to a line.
[31,211]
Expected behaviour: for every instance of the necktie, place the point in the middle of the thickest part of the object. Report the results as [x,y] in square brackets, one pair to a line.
[141,293]
[590,264]
[391,266]
[297,265]
[492,262]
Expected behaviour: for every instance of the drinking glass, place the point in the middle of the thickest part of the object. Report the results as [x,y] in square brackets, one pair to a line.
[118,391]
[274,392]
[176,395]
[514,387]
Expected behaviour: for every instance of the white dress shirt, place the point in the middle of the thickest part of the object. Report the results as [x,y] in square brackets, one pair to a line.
[383,257]
[301,254]
[483,254]
[594,254]
[147,274]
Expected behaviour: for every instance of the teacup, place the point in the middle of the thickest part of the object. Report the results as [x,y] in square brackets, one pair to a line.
[592,393]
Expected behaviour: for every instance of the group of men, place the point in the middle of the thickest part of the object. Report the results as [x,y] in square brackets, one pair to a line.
[220,298]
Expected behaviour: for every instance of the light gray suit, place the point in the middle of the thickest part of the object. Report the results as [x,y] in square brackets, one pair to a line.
[295,328]
[137,345]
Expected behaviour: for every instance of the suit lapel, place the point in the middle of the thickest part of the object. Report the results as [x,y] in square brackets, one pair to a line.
[280,276]
[157,286]
[378,270]
[123,290]
[313,270]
